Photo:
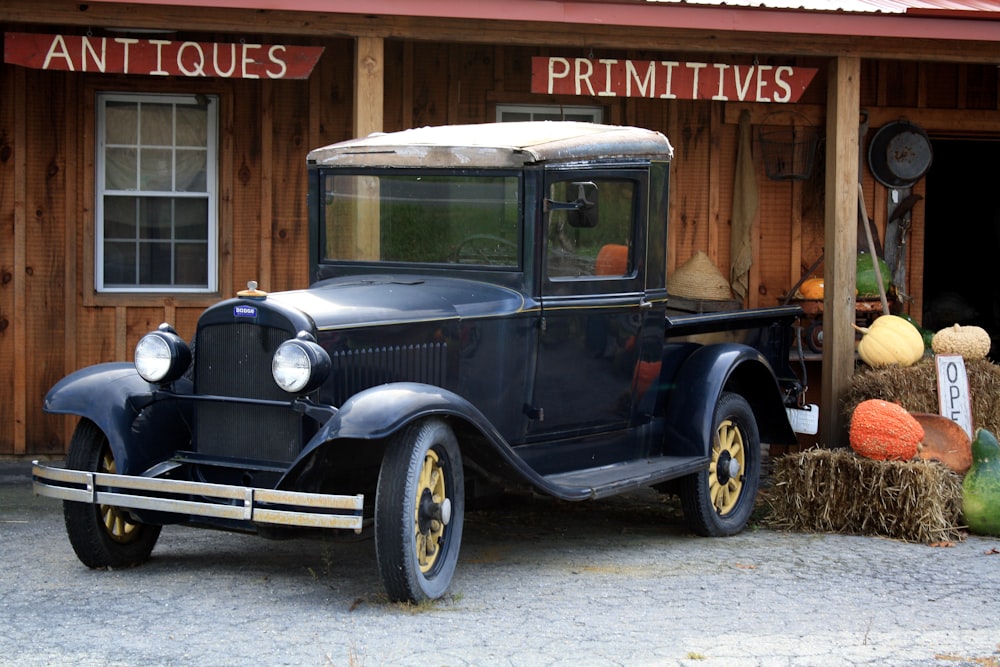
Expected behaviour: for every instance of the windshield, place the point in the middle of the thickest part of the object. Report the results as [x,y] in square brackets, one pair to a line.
[422,217]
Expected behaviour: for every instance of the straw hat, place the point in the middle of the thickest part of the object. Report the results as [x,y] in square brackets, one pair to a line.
[699,278]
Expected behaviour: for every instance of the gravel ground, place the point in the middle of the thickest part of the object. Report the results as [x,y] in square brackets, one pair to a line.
[539,583]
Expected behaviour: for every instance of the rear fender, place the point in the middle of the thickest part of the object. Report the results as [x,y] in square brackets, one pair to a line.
[702,378]
[112,395]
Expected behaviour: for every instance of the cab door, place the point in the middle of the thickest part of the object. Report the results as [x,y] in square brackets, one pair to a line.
[592,303]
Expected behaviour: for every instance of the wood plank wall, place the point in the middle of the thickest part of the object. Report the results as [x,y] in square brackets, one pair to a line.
[52,323]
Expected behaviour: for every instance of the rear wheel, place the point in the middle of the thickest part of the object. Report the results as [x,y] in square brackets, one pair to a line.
[102,535]
[419,510]
[719,501]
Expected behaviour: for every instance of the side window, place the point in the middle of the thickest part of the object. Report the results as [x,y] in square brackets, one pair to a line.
[156,213]
[590,225]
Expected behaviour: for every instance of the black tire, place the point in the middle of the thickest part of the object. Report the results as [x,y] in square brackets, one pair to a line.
[102,536]
[419,511]
[719,501]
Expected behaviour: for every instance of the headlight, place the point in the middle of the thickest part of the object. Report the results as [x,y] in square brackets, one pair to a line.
[300,365]
[162,356]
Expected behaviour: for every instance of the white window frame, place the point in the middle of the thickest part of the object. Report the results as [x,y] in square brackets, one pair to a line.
[211,192]
[591,114]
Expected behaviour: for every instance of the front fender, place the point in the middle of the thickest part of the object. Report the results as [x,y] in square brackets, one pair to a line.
[379,412]
[702,378]
[108,395]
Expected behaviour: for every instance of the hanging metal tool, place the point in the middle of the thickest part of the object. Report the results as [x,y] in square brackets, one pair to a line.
[899,155]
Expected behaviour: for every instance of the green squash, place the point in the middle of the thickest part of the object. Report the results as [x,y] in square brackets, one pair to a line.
[981,486]
[866,283]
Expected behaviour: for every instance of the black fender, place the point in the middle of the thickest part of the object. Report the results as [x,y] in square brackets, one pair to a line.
[378,412]
[701,379]
[112,395]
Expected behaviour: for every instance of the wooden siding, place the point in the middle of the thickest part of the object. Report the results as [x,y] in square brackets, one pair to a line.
[52,322]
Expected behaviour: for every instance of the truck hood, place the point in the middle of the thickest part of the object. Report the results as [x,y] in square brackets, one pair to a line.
[357,300]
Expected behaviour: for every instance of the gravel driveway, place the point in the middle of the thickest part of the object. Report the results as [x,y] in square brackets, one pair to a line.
[540,583]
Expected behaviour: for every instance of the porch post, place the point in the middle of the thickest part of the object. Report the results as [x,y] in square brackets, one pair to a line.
[841,231]
[369,83]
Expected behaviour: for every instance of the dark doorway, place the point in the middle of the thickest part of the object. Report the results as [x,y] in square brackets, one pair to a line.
[962,250]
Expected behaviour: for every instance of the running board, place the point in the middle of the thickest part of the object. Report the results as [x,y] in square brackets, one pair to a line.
[612,479]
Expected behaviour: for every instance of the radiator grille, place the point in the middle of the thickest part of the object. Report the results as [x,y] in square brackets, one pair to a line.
[235,360]
[356,370]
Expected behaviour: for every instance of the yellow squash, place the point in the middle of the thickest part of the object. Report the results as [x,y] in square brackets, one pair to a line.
[890,341]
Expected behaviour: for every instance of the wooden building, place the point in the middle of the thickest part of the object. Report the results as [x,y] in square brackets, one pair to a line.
[238,93]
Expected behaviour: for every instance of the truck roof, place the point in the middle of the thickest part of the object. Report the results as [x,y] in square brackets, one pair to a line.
[496,145]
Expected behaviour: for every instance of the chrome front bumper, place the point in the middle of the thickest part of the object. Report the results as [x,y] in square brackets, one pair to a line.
[200,499]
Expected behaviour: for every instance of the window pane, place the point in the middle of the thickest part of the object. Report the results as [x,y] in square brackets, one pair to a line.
[119,263]
[155,263]
[191,219]
[120,169]
[155,169]
[120,217]
[122,120]
[192,126]
[156,218]
[190,266]
[191,170]
[582,249]
[157,124]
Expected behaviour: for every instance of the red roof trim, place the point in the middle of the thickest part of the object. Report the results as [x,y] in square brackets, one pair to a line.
[916,24]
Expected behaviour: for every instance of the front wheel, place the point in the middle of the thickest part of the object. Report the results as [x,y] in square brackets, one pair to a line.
[102,535]
[419,510]
[719,501]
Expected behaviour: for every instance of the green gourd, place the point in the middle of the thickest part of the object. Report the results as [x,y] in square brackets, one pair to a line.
[981,486]
[867,283]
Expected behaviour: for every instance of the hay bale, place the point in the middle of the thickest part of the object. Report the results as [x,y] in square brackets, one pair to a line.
[915,388]
[835,490]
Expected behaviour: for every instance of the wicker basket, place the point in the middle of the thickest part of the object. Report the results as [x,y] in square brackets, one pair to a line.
[699,278]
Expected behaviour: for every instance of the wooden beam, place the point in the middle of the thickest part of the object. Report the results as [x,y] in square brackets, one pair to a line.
[19,316]
[190,17]
[369,85]
[843,100]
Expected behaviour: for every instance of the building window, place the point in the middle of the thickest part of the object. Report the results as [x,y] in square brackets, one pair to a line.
[507,113]
[156,193]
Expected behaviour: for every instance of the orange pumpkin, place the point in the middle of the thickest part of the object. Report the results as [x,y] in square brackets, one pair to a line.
[884,431]
[812,288]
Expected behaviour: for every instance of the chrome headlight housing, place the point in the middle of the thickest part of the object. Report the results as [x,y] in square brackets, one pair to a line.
[162,356]
[300,365]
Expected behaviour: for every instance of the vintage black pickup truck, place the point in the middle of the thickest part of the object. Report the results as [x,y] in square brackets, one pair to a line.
[489,312]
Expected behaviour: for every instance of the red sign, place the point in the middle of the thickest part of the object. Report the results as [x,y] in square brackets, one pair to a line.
[159,57]
[668,79]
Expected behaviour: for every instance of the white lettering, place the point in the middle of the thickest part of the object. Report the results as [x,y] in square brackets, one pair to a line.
[553,74]
[62,52]
[198,68]
[159,44]
[721,95]
[581,64]
[86,47]
[282,67]
[697,67]
[779,81]
[607,92]
[248,60]
[125,42]
[668,91]
[217,61]
[762,83]
[646,86]
[742,86]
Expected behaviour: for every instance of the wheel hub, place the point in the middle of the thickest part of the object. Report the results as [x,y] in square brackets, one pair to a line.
[728,462]
[433,512]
